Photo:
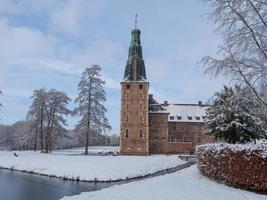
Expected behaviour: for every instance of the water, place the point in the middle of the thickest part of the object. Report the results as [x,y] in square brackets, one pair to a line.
[22,186]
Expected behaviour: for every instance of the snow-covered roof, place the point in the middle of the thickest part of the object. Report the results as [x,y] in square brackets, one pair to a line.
[185,112]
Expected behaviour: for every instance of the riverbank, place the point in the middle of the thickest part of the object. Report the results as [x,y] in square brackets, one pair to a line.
[187,184]
[74,166]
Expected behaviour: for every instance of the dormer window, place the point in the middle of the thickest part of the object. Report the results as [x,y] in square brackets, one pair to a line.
[179,117]
[197,118]
[171,117]
[189,117]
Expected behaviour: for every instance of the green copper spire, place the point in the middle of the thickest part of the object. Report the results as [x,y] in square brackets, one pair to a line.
[135,67]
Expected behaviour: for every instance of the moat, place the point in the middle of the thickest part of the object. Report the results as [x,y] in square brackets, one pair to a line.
[22,186]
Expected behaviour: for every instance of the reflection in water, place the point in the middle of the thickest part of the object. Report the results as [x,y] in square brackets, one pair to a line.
[22,186]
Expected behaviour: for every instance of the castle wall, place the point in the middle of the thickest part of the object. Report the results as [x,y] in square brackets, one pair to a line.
[174,137]
[134,138]
[158,133]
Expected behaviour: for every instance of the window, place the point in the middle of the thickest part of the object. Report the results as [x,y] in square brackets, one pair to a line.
[126,133]
[204,117]
[126,118]
[182,128]
[161,121]
[179,117]
[191,128]
[127,106]
[140,87]
[174,128]
[171,139]
[141,134]
[141,117]
[141,94]
[190,118]
[163,138]
[199,140]
[141,105]
[127,87]
[127,93]
[171,117]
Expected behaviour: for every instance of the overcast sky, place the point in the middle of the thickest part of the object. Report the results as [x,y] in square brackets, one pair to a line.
[48,43]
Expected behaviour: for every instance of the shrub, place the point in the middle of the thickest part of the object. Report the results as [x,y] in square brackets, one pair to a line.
[243,166]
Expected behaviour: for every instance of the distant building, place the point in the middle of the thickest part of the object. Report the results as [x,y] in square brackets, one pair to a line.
[148,127]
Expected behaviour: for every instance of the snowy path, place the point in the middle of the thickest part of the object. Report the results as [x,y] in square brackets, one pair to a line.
[187,184]
[87,168]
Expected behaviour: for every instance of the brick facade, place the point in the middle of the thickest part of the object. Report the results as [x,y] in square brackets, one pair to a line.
[134,119]
[174,137]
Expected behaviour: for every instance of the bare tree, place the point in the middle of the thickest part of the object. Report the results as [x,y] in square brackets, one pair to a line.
[47,112]
[36,113]
[244,49]
[56,110]
[90,102]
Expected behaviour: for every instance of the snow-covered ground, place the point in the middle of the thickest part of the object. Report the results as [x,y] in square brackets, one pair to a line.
[187,184]
[72,165]
[93,150]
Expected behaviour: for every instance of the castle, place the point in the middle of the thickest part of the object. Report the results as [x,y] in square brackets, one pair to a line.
[148,127]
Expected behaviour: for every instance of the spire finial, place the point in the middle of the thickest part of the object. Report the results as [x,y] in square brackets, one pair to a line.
[135,21]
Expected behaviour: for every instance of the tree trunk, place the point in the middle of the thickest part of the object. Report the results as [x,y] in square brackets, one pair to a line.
[41,131]
[88,120]
[46,143]
[35,139]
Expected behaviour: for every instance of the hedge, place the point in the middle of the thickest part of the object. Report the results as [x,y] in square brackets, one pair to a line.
[243,166]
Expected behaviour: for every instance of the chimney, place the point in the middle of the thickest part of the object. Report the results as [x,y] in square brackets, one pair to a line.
[200,103]
[165,103]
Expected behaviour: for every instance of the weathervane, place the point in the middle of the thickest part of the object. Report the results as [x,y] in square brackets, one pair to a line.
[135,21]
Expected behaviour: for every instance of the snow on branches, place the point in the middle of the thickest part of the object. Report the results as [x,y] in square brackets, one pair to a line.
[90,104]
[235,116]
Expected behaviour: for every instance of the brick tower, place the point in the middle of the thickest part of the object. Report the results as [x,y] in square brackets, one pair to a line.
[134,135]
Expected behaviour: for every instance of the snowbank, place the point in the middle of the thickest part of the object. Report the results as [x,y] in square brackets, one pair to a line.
[187,184]
[87,168]
[239,165]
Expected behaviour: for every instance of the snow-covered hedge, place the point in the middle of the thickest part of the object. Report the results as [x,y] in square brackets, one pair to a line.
[239,165]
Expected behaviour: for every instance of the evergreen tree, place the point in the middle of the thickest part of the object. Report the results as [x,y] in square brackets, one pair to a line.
[234,116]
[90,102]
